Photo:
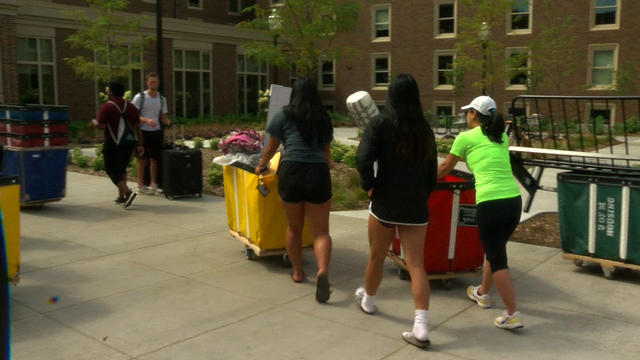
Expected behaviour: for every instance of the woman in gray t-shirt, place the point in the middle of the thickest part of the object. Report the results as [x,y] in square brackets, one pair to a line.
[305,130]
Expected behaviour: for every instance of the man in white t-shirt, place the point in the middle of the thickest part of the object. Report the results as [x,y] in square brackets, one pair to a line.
[153,110]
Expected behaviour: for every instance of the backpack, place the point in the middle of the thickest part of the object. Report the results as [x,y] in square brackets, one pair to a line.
[141,94]
[126,136]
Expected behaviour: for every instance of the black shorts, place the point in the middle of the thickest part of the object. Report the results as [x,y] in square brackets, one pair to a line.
[497,219]
[116,160]
[153,142]
[298,181]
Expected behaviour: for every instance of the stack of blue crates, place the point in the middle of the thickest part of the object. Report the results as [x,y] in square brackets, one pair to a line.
[42,170]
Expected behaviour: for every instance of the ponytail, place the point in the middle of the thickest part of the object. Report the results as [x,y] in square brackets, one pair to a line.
[492,125]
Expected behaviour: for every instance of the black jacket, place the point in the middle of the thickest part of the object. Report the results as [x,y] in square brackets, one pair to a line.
[402,186]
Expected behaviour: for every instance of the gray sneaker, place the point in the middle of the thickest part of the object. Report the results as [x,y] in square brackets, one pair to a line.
[156,190]
[482,300]
[145,190]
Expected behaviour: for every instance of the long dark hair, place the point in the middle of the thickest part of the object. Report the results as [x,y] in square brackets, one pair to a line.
[492,125]
[411,133]
[306,111]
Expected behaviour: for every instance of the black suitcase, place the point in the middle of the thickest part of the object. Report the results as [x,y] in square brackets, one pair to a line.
[182,172]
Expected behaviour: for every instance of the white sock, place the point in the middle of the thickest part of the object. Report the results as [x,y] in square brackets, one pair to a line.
[420,328]
[367,302]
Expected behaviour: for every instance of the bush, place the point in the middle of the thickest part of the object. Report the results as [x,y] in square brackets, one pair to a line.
[82,161]
[632,125]
[337,151]
[215,174]
[213,143]
[76,152]
[443,145]
[133,166]
[98,163]
[338,119]
[69,158]
[198,142]
[346,191]
[99,150]
[349,158]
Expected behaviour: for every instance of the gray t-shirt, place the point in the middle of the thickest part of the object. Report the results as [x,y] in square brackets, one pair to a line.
[151,110]
[295,149]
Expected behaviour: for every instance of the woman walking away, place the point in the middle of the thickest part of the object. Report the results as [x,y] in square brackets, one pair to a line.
[305,130]
[401,143]
[485,149]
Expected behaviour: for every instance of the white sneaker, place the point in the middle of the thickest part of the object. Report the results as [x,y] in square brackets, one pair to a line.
[358,295]
[156,190]
[144,190]
[481,300]
[509,322]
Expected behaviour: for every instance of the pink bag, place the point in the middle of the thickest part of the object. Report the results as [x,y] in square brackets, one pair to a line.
[241,141]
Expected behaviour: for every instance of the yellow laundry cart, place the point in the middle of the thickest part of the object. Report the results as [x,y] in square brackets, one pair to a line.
[254,213]
[10,206]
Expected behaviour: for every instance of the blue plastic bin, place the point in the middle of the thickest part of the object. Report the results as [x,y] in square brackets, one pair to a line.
[42,172]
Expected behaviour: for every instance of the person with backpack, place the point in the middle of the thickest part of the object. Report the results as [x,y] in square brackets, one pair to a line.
[153,115]
[120,121]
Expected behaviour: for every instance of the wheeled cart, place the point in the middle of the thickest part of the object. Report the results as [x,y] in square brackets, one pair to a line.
[598,220]
[452,248]
[254,213]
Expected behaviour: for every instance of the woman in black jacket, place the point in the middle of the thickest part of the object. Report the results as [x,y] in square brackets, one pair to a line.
[397,161]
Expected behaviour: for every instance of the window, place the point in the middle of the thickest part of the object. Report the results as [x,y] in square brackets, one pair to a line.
[234,7]
[1,83]
[36,70]
[194,4]
[443,70]
[293,74]
[277,2]
[445,11]
[605,14]
[517,111]
[381,70]
[517,68]
[252,76]
[600,111]
[329,106]
[125,55]
[327,75]
[519,21]
[192,83]
[382,23]
[603,60]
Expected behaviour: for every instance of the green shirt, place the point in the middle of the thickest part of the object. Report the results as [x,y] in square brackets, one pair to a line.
[489,163]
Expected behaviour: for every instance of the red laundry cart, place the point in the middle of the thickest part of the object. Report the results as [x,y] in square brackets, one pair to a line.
[452,248]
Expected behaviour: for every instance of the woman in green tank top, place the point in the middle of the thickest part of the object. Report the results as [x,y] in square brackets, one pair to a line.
[486,151]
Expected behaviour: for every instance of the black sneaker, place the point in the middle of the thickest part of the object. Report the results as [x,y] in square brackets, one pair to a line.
[119,200]
[128,198]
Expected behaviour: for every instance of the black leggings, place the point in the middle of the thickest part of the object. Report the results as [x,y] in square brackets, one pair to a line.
[497,219]
[116,160]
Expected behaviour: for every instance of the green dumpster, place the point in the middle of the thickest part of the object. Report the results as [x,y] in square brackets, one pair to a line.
[599,216]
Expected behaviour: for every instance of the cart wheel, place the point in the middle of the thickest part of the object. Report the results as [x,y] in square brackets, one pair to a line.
[447,284]
[608,272]
[285,260]
[249,253]
[404,274]
[578,262]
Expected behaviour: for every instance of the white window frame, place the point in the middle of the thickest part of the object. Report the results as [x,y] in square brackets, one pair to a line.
[436,22]
[184,70]
[321,84]
[592,17]
[192,7]
[599,106]
[40,63]
[507,81]
[273,3]
[436,69]
[237,11]
[244,72]
[374,56]
[511,31]
[375,8]
[602,47]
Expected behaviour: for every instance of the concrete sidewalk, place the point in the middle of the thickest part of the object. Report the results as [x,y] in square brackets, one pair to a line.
[164,280]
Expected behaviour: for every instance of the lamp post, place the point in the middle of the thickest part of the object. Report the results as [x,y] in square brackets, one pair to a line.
[483,34]
[275,23]
[159,43]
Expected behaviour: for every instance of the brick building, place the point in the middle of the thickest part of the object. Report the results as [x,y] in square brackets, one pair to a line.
[205,72]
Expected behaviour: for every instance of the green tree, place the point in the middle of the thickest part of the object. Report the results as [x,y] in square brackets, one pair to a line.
[553,54]
[307,32]
[626,78]
[106,33]
[475,56]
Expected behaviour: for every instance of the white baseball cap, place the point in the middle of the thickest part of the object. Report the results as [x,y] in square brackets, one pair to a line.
[482,104]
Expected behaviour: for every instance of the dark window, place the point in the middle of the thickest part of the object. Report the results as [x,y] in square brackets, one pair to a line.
[446,19]
[445,65]
[382,71]
[605,12]
[520,15]
[605,114]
